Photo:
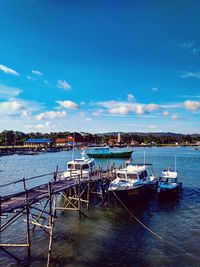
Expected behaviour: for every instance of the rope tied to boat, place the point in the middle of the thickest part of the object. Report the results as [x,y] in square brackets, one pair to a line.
[133,216]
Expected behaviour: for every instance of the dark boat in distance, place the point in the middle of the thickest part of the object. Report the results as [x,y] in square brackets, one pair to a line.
[105,152]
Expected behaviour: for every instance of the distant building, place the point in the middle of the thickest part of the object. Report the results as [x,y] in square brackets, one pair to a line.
[76,139]
[134,143]
[31,142]
[60,142]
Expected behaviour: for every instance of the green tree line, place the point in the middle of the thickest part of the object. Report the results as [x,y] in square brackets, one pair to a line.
[12,138]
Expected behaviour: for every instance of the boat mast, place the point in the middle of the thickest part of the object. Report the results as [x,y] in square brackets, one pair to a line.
[144,157]
[175,164]
[73,146]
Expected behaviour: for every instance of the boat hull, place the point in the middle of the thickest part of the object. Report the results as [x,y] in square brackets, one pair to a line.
[133,194]
[125,154]
[165,192]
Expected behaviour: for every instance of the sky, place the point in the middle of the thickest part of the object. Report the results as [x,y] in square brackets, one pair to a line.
[100,66]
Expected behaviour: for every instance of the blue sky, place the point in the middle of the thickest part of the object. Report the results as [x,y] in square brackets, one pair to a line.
[100,66]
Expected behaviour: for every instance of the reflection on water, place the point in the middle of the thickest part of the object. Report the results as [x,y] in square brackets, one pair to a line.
[108,237]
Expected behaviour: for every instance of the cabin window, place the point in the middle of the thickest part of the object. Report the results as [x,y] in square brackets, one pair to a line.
[132,176]
[121,175]
[70,166]
[85,166]
[143,175]
[172,180]
[164,179]
[77,166]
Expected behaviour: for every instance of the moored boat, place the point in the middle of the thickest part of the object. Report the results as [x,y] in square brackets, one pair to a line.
[82,166]
[106,152]
[168,182]
[133,182]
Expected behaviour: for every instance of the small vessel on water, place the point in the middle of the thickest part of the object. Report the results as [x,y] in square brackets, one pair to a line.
[133,182]
[168,182]
[106,152]
[82,166]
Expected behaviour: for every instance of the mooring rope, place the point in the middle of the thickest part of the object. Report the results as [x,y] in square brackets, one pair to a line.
[132,215]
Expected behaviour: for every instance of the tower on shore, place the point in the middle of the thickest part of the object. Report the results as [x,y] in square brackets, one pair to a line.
[119,138]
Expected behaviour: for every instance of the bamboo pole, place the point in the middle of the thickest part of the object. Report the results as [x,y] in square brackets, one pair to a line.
[51,223]
[0,219]
[88,192]
[40,214]
[79,198]
[27,218]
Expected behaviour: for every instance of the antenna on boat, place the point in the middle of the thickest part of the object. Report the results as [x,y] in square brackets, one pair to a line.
[175,164]
[73,146]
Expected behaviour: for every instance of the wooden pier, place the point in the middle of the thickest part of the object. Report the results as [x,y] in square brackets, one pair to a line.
[39,204]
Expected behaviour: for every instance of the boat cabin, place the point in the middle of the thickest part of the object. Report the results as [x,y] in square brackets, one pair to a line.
[169,176]
[80,164]
[132,173]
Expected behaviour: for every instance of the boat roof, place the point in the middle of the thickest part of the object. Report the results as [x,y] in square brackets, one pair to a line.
[80,161]
[133,168]
[169,174]
[98,147]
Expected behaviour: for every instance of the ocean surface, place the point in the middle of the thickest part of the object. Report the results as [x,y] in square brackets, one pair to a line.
[109,237]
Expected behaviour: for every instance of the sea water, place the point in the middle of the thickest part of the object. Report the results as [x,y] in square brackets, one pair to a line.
[109,237]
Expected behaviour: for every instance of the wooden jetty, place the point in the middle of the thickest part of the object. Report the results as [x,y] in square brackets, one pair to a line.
[40,204]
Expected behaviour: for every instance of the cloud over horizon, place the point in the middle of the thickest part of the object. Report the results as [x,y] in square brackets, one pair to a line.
[8,70]
[68,104]
[9,92]
[192,105]
[63,85]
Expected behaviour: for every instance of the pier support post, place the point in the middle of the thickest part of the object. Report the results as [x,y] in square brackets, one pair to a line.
[79,197]
[52,210]
[27,220]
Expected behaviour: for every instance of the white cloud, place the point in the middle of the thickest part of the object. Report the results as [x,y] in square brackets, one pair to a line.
[190,46]
[97,112]
[120,110]
[49,115]
[187,45]
[166,113]
[88,119]
[192,105]
[63,85]
[171,105]
[47,125]
[18,107]
[12,108]
[8,70]
[124,107]
[195,51]
[188,74]
[175,117]
[9,92]
[193,96]
[30,78]
[46,82]
[68,104]
[154,89]
[130,97]
[37,72]
[151,107]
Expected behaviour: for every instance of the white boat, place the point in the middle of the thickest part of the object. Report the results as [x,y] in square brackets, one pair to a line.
[133,182]
[168,182]
[82,166]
